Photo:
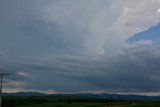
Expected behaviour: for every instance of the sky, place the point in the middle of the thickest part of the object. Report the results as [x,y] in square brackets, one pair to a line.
[152,34]
[80,46]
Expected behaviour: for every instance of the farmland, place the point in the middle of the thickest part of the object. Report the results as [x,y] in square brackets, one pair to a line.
[55,101]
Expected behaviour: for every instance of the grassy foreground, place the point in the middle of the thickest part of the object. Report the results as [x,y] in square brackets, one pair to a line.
[51,101]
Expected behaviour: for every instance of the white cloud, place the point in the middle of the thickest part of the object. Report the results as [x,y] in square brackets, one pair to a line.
[107,23]
[80,26]
[158,11]
[143,42]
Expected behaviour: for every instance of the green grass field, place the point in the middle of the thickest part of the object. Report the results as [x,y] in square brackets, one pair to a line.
[50,101]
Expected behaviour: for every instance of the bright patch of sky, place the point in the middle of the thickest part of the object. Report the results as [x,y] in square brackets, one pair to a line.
[152,34]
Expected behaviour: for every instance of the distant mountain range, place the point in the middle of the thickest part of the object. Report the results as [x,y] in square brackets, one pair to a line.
[25,94]
[89,95]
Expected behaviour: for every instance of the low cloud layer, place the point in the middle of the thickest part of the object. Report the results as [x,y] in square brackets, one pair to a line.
[135,70]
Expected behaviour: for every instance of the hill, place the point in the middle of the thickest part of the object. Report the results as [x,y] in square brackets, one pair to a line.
[90,95]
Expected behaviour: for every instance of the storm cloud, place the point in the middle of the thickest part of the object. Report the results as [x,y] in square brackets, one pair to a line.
[65,45]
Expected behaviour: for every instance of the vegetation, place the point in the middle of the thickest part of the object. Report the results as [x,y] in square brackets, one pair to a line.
[52,101]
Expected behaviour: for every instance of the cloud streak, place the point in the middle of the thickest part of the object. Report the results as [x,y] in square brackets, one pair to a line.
[135,71]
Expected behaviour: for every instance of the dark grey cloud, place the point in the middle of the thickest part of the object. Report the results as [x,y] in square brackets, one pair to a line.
[25,33]
[44,45]
[133,71]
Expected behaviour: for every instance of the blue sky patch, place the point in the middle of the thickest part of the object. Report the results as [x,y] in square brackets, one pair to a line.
[152,33]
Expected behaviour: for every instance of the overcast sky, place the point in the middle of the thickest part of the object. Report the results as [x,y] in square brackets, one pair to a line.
[58,46]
